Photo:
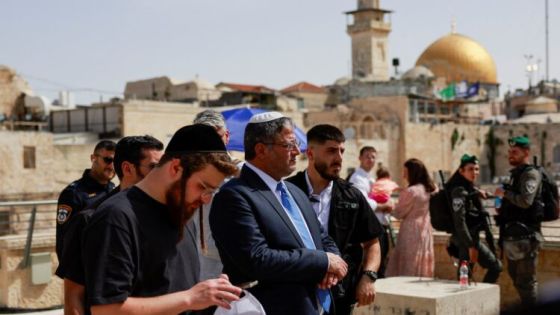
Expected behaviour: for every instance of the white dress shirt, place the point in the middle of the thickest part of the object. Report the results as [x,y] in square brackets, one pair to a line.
[321,202]
[363,181]
[272,184]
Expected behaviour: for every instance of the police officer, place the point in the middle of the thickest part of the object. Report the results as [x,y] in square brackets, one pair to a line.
[519,220]
[469,218]
[82,193]
[344,212]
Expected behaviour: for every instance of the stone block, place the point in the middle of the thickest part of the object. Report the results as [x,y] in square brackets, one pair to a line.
[413,295]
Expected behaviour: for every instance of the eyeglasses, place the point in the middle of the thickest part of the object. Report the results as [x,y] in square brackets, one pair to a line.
[207,192]
[106,159]
[288,146]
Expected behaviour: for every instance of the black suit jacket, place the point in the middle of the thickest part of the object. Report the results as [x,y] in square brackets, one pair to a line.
[257,241]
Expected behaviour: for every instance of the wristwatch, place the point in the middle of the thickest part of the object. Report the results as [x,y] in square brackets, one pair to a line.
[372,275]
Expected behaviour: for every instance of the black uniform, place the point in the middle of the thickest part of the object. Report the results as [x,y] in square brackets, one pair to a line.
[351,222]
[70,264]
[77,196]
[520,229]
[469,219]
[131,248]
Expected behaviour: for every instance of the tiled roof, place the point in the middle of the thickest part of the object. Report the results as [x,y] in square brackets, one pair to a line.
[247,88]
[303,87]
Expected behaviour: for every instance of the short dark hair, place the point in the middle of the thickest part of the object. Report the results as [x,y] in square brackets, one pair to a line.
[105,144]
[323,133]
[130,149]
[264,132]
[366,149]
[382,172]
[418,174]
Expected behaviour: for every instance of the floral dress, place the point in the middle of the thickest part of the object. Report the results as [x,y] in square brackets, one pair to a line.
[414,253]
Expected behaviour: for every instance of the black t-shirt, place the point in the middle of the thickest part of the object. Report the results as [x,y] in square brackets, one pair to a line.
[131,249]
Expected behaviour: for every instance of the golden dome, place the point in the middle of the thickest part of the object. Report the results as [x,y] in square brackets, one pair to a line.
[457,57]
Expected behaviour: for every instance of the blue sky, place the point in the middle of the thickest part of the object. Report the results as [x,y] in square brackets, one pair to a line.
[64,44]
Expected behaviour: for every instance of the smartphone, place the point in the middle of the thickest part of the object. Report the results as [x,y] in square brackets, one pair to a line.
[248,285]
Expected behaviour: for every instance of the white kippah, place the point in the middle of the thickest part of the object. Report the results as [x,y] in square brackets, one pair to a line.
[264,117]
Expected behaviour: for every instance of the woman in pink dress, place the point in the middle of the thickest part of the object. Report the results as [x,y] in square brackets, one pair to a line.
[414,253]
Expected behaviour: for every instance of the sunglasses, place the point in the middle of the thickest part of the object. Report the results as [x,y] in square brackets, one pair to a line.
[106,159]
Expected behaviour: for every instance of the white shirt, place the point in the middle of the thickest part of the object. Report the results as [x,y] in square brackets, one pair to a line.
[272,184]
[321,202]
[363,181]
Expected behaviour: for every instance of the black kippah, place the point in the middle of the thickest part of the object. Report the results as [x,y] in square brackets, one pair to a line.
[196,138]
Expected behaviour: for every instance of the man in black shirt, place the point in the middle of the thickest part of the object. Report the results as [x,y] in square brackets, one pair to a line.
[137,248]
[82,193]
[135,157]
[344,212]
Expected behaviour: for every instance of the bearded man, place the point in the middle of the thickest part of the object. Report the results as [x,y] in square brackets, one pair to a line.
[139,256]
[344,212]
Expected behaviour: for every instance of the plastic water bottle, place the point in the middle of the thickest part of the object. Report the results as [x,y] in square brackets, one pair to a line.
[464,275]
[498,202]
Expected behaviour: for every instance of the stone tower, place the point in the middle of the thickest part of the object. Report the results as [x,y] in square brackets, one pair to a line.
[369,32]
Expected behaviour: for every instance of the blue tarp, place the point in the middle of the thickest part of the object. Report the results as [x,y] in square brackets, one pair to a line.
[237,119]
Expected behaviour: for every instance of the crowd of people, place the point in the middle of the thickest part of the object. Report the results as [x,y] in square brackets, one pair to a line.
[189,229]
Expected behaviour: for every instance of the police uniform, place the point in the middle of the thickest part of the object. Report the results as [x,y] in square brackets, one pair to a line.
[350,223]
[469,218]
[79,195]
[520,229]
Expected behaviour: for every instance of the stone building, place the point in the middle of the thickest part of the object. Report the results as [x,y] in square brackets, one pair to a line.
[167,89]
[310,97]
[369,32]
[12,90]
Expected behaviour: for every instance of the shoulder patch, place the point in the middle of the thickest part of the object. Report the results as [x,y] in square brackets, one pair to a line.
[63,213]
[531,186]
[457,204]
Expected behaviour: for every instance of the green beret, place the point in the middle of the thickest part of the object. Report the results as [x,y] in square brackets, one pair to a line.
[522,142]
[466,159]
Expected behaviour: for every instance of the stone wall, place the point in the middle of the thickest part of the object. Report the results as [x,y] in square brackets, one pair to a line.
[17,290]
[11,87]
[434,145]
[157,119]
[544,138]
[20,181]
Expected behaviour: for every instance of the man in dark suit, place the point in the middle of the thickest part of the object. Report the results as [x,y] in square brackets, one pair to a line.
[344,213]
[265,229]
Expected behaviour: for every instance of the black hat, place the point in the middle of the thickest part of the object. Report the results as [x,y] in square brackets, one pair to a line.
[196,138]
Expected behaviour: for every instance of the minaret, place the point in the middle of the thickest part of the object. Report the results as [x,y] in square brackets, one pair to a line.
[369,32]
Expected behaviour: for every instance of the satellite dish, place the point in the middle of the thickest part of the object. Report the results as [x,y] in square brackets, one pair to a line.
[349,133]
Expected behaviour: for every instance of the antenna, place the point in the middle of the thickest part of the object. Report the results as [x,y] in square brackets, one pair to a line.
[453,25]
[546,38]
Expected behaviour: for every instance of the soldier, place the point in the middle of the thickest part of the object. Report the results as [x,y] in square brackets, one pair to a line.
[82,193]
[469,218]
[520,220]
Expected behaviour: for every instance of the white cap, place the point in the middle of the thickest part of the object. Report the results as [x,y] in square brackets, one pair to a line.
[265,117]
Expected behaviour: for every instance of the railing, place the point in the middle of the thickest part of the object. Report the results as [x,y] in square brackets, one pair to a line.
[13,125]
[19,217]
[550,230]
